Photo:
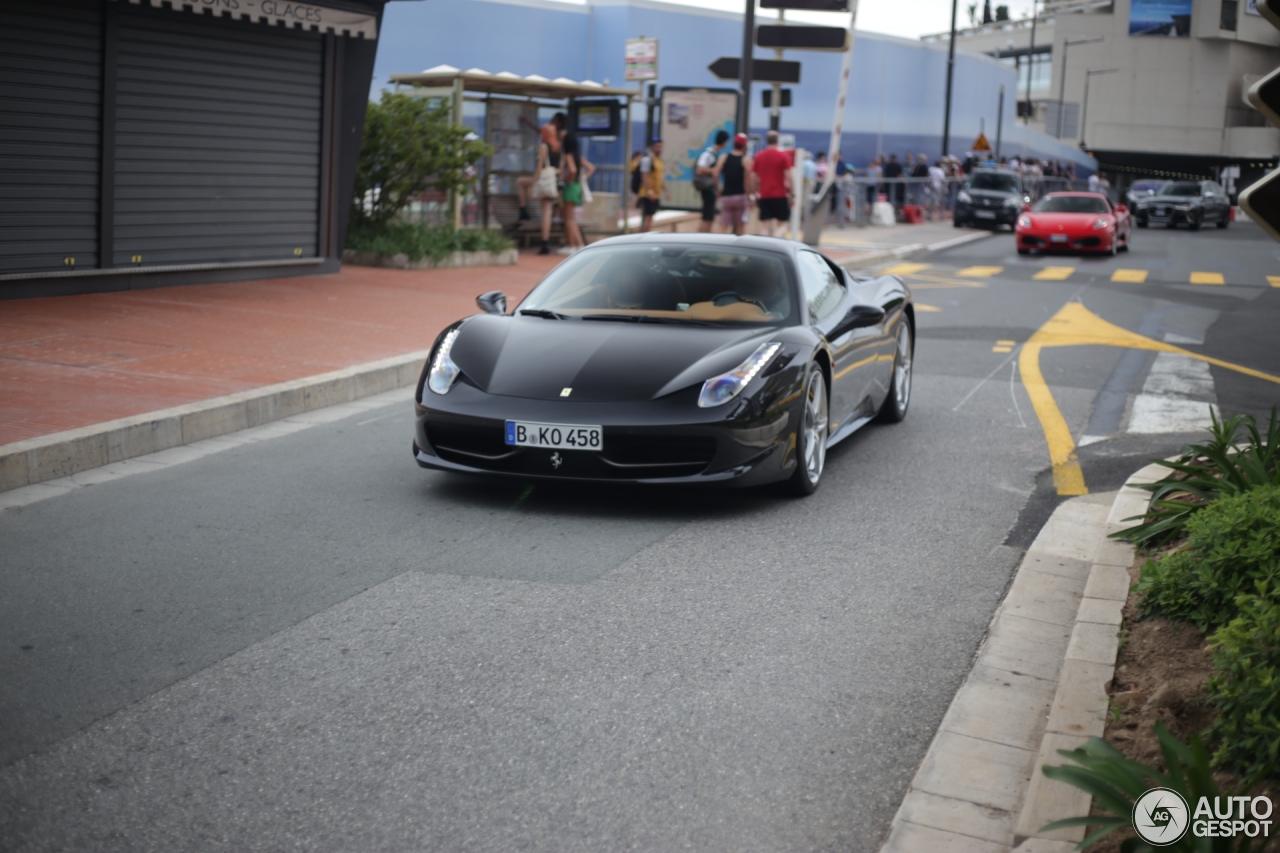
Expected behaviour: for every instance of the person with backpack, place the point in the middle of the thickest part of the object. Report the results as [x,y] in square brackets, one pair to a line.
[705,178]
[735,168]
[636,177]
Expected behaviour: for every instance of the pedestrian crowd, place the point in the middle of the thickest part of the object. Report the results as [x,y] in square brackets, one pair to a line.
[559,179]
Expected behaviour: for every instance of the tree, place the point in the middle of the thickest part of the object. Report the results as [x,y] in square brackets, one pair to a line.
[410,145]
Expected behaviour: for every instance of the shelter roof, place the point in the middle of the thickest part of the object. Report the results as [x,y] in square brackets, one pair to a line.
[506,83]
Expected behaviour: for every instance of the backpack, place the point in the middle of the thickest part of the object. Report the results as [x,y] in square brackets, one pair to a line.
[702,183]
[636,177]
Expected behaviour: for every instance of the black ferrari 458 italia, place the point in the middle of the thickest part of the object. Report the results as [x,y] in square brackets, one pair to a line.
[670,358]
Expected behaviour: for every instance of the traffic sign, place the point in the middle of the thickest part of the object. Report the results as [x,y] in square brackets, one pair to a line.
[809,5]
[1262,200]
[981,143]
[762,70]
[640,59]
[802,38]
[766,95]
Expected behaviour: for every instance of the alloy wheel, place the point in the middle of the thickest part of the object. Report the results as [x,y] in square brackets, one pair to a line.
[815,426]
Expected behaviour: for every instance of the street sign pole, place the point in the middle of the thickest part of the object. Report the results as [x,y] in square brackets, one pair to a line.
[837,122]
[744,67]
[775,108]
[951,67]
[1000,121]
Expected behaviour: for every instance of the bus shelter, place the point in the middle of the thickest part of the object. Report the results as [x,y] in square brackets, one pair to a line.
[511,104]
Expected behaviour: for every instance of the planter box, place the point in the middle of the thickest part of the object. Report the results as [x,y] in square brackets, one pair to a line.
[457,259]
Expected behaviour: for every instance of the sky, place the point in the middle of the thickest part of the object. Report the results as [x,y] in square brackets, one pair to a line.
[905,18]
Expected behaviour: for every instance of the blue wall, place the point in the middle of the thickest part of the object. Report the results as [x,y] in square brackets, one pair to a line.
[896,91]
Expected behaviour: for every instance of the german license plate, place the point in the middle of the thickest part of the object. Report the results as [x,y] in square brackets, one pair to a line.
[554,436]
[1057,238]
[985,214]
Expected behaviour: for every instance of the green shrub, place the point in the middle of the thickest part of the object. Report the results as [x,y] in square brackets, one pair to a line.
[1116,783]
[421,241]
[1207,471]
[1233,549]
[1246,689]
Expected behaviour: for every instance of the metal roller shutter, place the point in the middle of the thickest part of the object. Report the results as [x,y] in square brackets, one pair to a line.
[217,140]
[50,142]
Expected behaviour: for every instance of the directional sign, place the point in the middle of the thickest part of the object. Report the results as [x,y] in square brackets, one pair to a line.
[803,38]
[762,70]
[766,95]
[810,5]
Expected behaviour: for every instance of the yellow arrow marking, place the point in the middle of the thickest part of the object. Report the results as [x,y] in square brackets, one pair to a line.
[1076,325]
[1273,280]
[1207,278]
[1130,276]
[1054,274]
[905,269]
[979,272]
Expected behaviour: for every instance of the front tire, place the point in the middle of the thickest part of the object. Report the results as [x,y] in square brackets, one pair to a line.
[1194,223]
[811,438]
[896,404]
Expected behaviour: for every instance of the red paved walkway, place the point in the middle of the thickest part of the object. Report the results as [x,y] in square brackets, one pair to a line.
[71,361]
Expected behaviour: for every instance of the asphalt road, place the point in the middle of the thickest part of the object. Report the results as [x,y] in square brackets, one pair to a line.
[309,643]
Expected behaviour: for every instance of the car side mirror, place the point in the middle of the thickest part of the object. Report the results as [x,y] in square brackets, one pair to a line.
[859,317]
[493,302]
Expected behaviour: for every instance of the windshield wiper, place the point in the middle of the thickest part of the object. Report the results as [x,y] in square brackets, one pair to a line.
[644,318]
[546,315]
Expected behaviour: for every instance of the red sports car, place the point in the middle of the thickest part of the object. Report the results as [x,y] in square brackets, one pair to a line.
[1078,222]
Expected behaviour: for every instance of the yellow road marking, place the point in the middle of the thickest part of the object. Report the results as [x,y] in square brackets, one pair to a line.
[979,272]
[1131,276]
[905,269]
[1076,325]
[1054,274]
[1273,280]
[1207,278]
[1001,349]
[920,306]
[1007,343]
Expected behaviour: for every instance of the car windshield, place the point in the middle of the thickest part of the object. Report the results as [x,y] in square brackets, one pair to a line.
[1179,188]
[994,181]
[673,283]
[1071,204]
[1145,186]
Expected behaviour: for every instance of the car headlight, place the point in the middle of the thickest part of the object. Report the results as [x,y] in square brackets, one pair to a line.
[1012,201]
[1024,222]
[443,371]
[1100,223]
[719,390]
[964,197]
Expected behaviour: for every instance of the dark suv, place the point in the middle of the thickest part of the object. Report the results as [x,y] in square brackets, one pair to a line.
[990,197]
[1190,202]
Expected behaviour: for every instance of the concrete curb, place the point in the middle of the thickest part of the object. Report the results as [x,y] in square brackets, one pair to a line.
[1038,684]
[911,249]
[61,454]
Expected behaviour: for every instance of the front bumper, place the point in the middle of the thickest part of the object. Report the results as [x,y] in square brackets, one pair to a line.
[978,214]
[1164,215]
[1042,243]
[668,440]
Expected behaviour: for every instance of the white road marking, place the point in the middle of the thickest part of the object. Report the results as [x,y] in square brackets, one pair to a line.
[1177,396]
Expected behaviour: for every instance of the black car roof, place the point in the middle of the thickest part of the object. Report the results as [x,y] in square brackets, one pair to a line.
[745,241]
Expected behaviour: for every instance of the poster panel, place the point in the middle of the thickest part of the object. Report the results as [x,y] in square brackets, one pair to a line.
[690,120]
[1160,18]
[513,133]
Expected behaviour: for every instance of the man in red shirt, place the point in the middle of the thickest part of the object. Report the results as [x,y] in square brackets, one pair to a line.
[773,168]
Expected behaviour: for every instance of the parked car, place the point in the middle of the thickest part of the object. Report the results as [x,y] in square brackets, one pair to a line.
[1077,222]
[990,197]
[670,358]
[1192,203]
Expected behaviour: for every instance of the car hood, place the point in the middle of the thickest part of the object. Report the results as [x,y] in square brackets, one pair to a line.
[601,361]
[1169,199]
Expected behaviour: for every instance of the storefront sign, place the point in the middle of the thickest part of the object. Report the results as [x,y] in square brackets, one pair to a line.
[305,16]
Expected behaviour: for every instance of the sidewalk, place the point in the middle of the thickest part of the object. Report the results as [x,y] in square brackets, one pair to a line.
[863,247]
[71,361]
